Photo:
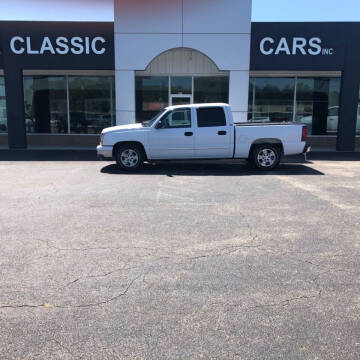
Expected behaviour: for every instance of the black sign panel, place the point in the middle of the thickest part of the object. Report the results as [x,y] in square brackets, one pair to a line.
[58,45]
[48,46]
[298,46]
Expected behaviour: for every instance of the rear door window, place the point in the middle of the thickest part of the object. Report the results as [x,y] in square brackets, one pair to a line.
[211,117]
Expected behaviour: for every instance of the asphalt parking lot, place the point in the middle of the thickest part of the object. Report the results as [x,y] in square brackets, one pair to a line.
[179,261]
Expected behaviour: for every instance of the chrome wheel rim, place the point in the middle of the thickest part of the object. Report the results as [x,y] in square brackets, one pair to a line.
[266,158]
[129,158]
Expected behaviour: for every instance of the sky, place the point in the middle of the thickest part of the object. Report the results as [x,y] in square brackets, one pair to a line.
[102,10]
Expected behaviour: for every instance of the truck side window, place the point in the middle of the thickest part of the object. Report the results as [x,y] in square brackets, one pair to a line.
[176,119]
[211,117]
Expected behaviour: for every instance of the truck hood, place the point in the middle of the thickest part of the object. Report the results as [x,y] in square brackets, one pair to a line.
[123,128]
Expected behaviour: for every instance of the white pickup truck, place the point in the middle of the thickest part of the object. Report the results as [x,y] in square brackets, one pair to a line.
[203,131]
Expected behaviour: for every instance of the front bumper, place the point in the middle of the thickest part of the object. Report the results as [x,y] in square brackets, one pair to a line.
[104,152]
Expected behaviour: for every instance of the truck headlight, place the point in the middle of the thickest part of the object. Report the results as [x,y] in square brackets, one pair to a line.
[102,139]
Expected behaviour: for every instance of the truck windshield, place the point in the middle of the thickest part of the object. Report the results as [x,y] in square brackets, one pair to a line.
[149,123]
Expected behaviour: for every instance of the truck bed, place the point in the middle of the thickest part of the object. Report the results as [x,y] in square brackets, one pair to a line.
[286,134]
[266,123]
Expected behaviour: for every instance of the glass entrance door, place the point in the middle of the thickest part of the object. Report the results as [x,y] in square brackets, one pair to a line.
[181,90]
[180,100]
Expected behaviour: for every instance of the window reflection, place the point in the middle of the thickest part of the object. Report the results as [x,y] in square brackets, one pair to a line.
[3,114]
[181,85]
[152,92]
[358,117]
[92,103]
[316,102]
[45,104]
[152,95]
[271,99]
[213,89]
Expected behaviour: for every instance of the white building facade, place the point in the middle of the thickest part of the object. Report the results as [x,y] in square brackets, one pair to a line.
[179,52]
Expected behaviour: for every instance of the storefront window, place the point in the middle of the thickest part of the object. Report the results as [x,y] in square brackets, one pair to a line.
[271,99]
[213,89]
[152,92]
[45,104]
[152,95]
[3,114]
[317,104]
[91,103]
[313,101]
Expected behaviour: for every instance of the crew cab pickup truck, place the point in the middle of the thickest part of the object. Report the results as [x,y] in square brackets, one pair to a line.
[203,131]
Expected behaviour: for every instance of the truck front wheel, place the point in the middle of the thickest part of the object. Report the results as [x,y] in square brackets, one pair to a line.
[129,157]
[266,156]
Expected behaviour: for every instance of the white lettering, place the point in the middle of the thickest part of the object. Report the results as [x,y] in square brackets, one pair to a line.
[299,44]
[262,45]
[28,45]
[87,45]
[315,44]
[12,45]
[76,42]
[328,51]
[62,45]
[93,45]
[47,46]
[282,47]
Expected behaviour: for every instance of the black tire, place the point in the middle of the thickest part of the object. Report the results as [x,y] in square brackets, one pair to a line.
[265,157]
[129,157]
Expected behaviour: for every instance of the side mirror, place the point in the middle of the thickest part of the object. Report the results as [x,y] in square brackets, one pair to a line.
[159,125]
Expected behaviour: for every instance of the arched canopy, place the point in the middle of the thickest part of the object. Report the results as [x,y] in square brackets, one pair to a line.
[182,61]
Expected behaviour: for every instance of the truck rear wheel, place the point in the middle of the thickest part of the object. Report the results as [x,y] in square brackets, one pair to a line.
[266,156]
[129,157]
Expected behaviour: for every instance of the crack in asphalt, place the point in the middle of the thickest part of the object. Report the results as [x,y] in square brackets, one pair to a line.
[285,302]
[224,251]
[20,306]
[98,276]
[75,306]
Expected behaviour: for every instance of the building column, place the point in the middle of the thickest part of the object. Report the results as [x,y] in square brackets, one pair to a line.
[348,110]
[125,97]
[14,89]
[239,95]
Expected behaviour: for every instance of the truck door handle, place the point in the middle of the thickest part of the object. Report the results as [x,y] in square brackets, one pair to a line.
[222,132]
[189,133]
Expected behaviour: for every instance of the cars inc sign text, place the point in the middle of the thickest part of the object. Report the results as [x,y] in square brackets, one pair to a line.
[60,45]
[296,46]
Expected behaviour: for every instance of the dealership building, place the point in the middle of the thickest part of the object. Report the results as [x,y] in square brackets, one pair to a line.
[61,83]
